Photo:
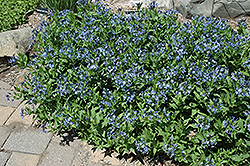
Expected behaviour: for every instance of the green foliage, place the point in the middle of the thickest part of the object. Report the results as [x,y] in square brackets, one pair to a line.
[14,12]
[144,83]
[59,5]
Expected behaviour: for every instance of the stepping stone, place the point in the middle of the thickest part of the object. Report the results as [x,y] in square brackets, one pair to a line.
[5,102]
[59,153]
[88,156]
[23,159]
[5,112]
[3,158]
[4,85]
[4,133]
[16,117]
[28,141]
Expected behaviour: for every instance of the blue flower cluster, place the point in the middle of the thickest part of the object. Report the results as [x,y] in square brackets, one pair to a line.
[210,141]
[142,146]
[68,121]
[247,124]
[13,59]
[170,149]
[208,162]
[215,107]
[230,125]
[243,84]
[114,126]
[203,123]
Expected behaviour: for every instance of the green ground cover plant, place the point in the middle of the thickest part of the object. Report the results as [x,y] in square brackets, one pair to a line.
[14,12]
[59,5]
[143,83]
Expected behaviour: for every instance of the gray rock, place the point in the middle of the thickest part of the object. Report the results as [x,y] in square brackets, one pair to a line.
[4,64]
[15,41]
[189,8]
[217,8]
[21,77]
[231,9]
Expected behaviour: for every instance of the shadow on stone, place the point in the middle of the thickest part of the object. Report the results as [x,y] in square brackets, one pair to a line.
[4,63]
[157,159]
[129,158]
[139,159]
[68,137]
[17,126]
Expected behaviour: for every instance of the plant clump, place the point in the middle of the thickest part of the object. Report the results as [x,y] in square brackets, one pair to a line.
[59,5]
[144,83]
[13,13]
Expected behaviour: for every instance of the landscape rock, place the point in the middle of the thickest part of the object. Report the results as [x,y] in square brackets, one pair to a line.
[231,9]
[21,77]
[217,8]
[15,41]
[4,64]
[189,8]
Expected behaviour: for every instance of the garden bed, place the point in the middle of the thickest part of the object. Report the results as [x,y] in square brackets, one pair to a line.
[145,84]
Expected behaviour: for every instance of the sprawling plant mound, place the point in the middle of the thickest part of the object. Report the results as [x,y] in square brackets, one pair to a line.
[144,83]
[13,12]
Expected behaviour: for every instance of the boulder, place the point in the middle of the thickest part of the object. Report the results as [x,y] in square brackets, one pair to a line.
[231,8]
[4,64]
[15,41]
[189,8]
[217,8]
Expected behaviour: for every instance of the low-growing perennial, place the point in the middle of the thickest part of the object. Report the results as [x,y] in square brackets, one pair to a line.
[144,83]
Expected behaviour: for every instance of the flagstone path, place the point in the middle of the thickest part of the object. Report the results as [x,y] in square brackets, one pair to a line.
[24,144]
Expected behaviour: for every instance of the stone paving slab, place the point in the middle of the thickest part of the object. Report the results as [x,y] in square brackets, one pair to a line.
[16,117]
[59,153]
[23,159]
[4,133]
[87,156]
[28,141]
[4,85]
[5,112]
[3,158]
[3,100]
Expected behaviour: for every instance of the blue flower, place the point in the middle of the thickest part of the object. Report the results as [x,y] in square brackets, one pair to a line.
[142,146]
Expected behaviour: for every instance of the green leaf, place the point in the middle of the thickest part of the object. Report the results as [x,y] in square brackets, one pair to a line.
[194,112]
[131,140]
[154,151]
[99,117]
[197,95]
[132,150]
[236,157]
[245,156]
[177,102]
[248,143]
